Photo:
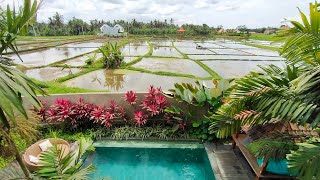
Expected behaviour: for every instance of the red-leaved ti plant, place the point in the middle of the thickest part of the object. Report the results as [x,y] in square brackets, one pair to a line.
[131,97]
[154,104]
[182,124]
[106,115]
[140,119]
[60,111]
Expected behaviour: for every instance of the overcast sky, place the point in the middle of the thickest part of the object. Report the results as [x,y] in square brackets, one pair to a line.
[229,13]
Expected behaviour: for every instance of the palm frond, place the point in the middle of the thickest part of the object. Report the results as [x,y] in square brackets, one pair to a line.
[57,166]
[13,85]
[306,160]
[303,44]
[276,149]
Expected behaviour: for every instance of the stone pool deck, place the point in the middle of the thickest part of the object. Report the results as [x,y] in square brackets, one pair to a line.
[226,163]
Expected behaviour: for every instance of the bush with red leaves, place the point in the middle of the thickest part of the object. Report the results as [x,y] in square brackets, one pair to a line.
[83,115]
[153,104]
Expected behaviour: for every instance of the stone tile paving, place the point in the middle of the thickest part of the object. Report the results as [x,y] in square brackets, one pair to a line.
[225,163]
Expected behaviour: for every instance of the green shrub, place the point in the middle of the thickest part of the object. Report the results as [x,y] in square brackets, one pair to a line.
[112,57]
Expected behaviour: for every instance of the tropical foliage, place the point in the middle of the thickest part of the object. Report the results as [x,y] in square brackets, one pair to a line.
[13,83]
[112,57]
[197,97]
[56,165]
[289,94]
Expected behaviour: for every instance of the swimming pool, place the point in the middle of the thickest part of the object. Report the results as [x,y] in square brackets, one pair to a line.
[151,163]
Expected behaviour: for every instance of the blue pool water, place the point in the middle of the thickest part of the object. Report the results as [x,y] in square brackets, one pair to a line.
[122,163]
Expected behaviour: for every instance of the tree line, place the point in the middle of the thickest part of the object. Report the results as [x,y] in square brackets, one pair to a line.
[57,26]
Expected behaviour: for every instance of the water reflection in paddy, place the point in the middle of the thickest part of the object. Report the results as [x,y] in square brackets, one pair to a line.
[48,56]
[166,52]
[235,46]
[185,43]
[80,61]
[209,45]
[134,50]
[50,73]
[193,50]
[161,42]
[181,66]
[123,80]
[261,52]
[83,45]
[230,51]
[237,69]
[128,59]
[234,57]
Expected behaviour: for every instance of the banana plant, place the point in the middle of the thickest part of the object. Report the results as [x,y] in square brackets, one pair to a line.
[112,57]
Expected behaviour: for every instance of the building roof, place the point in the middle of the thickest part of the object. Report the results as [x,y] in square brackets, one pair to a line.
[181,29]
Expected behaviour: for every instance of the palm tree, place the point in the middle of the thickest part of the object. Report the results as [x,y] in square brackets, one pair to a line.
[69,167]
[13,83]
[290,94]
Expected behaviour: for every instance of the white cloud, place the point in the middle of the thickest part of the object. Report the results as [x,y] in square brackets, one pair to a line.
[229,13]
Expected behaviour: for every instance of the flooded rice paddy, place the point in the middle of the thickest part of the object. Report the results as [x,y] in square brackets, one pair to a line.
[124,80]
[180,66]
[50,73]
[181,58]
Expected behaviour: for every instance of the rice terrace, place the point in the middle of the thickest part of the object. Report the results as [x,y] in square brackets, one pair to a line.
[150,90]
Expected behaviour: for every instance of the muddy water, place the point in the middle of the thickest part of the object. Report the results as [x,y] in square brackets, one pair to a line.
[234,57]
[166,52]
[261,52]
[48,56]
[83,45]
[129,50]
[185,43]
[230,51]
[181,66]
[193,50]
[161,42]
[237,69]
[209,45]
[50,73]
[128,59]
[80,61]
[124,80]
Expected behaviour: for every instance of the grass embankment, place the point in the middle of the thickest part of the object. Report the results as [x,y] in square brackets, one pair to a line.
[266,37]
[139,58]
[212,73]
[164,73]
[53,87]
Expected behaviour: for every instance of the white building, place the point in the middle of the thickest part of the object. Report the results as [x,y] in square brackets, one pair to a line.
[107,30]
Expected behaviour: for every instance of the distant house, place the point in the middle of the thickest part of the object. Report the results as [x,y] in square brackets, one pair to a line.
[284,27]
[221,31]
[270,31]
[116,30]
[181,30]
